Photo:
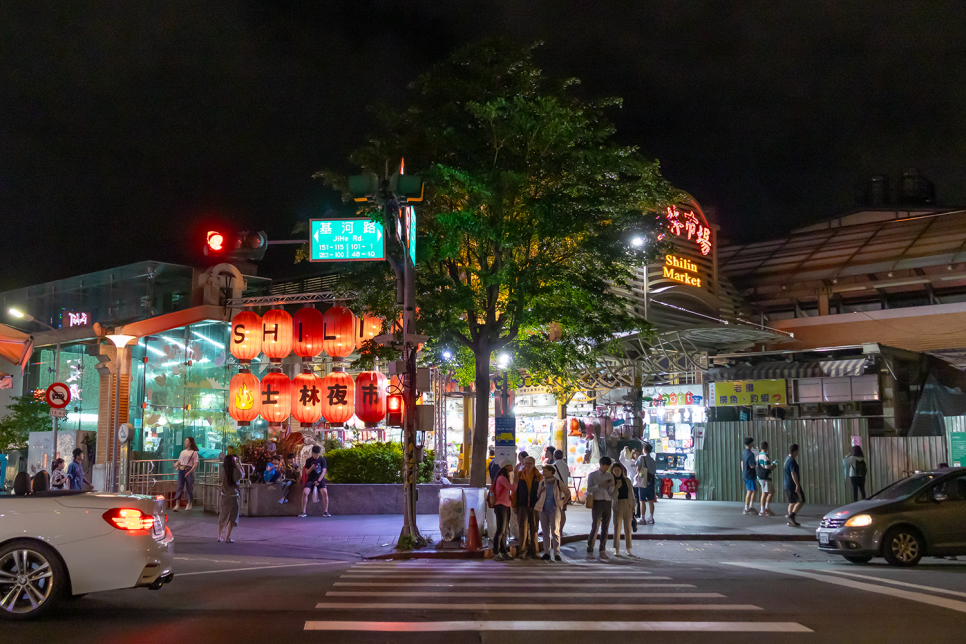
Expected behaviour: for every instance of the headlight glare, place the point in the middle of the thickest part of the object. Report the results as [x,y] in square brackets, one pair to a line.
[859,521]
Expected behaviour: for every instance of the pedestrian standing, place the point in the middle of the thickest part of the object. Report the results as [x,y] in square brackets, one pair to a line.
[749,474]
[646,479]
[502,493]
[75,471]
[633,471]
[315,469]
[186,465]
[493,466]
[600,488]
[521,457]
[563,473]
[793,485]
[550,500]
[623,508]
[548,455]
[228,479]
[764,469]
[58,480]
[858,469]
[528,482]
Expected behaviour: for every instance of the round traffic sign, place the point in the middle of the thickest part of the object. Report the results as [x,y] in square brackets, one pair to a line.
[58,395]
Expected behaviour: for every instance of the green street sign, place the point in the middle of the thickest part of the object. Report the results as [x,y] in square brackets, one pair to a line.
[957,449]
[346,240]
[411,234]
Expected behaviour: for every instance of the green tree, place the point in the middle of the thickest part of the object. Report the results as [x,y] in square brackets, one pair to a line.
[532,214]
[25,414]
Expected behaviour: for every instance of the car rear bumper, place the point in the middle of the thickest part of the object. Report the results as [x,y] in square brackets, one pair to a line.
[159,561]
[848,541]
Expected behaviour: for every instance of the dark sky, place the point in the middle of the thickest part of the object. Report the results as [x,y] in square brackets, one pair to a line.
[128,128]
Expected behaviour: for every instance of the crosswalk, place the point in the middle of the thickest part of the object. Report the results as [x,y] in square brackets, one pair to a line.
[424,596]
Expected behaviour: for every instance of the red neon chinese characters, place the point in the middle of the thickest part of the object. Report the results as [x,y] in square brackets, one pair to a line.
[680,223]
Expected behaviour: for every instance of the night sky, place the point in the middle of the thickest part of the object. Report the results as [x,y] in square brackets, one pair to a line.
[127,129]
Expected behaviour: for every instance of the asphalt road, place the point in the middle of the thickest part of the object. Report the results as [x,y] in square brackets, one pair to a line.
[692,592]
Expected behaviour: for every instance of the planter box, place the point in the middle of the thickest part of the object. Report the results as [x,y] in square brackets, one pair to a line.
[261,500]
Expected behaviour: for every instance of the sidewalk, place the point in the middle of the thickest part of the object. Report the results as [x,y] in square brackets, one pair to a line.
[376,535]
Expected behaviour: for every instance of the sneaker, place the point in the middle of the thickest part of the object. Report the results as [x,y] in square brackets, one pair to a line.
[498,557]
[557,558]
[749,511]
[769,513]
[603,554]
[790,523]
[590,551]
[303,515]
[650,520]
[326,514]
[546,556]
[762,514]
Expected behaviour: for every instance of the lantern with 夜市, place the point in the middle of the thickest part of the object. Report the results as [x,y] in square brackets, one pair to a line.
[307,333]
[338,328]
[307,398]
[243,397]
[367,328]
[371,395]
[276,334]
[246,336]
[338,398]
[275,398]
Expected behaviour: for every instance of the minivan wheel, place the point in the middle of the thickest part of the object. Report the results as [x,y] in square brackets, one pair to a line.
[32,579]
[902,547]
[857,559]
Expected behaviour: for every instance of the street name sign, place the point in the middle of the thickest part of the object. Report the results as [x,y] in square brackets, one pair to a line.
[357,239]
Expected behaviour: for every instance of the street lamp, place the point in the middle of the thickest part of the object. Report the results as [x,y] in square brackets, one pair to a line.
[447,354]
[120,340]
[22,315]
[637,242]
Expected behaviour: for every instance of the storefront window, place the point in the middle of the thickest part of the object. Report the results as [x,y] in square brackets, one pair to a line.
[78,371]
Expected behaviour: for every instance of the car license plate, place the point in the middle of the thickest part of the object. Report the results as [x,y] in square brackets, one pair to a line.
[823,538]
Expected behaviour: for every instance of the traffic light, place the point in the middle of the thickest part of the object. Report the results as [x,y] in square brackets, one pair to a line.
[238,246]
[394,414]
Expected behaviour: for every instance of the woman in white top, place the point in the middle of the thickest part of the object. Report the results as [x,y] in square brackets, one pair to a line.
[186,465]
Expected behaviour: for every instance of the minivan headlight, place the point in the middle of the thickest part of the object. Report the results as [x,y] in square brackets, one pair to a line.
[859,521]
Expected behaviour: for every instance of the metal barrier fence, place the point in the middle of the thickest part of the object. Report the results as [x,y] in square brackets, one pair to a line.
[894,458]
[823,444]
[160,477]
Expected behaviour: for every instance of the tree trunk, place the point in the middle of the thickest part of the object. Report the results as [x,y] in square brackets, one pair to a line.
[482,429]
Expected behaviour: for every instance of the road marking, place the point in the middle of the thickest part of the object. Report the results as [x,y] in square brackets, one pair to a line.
[516,574]
[540,607]
[899,583]
[942,602]
[410,593]
[476,625]
[499,582]
[212,572]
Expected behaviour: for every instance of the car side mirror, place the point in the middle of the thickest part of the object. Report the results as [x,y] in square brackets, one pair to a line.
[939,496]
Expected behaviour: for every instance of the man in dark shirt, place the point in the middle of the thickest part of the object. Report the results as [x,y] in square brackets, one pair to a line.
[315,468]
[793,485]
[749,474]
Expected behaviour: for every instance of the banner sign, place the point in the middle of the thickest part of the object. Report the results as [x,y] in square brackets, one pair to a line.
[748,392]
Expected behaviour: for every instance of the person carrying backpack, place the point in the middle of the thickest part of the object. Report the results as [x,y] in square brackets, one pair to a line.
[764,469]
[858,469]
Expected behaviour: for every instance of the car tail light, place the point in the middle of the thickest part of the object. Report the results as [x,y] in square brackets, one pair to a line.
[129,519]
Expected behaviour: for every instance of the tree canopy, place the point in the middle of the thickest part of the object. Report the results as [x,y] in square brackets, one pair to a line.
[532,214]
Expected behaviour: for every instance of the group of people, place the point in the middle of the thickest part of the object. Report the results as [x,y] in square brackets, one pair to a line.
[60,477]
[757,471]
[625,491]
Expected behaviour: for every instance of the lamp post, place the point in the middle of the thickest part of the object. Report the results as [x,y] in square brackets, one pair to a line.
[17,313]
[120,340]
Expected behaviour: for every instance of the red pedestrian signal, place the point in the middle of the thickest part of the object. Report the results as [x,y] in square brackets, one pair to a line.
[216,240]
[394,410]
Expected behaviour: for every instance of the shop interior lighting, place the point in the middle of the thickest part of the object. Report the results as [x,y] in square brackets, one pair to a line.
[207,339]
[158,352]
[180,343]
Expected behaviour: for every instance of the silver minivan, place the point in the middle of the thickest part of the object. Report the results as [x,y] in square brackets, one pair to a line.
[923,515]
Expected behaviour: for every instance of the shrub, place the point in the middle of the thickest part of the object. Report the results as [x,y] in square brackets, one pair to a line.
[373,463]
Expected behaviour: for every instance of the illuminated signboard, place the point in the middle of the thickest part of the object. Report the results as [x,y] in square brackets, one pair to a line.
[346,240]
[686,224]
[747,392]
[687,273]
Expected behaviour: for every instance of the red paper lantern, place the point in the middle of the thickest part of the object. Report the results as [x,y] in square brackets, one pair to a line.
[367,327]
[338,398]
[246,336]
[307,398]
[338,328]
[371,397]
[276,334]
[307,326]
[243,398]
[275,397]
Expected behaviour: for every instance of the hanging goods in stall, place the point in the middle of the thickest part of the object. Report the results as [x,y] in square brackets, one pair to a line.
[338,328]
[276,335]
[246,336]
[307,326]
[370,397]
[338,398]
[307,395]
[243,399]
[275,398]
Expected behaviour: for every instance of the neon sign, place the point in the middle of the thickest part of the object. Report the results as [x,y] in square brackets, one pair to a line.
[686,223]
[77,319]
[671,263]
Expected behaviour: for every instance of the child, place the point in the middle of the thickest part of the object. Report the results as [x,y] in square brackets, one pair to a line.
[58,480]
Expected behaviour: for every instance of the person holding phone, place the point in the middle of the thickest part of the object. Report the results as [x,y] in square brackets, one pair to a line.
[315,468]
[764,472]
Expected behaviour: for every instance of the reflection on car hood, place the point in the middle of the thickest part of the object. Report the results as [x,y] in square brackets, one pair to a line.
[857,508]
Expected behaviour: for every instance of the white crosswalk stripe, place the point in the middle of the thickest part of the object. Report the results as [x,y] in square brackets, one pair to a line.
[475,588]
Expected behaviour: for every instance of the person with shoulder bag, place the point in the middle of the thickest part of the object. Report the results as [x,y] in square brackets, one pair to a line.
[186,465]
[500,499]
[858,469]
[550,501]
[623,499]
[228,479]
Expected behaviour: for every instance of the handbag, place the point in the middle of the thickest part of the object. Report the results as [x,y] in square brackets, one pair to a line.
[589,502]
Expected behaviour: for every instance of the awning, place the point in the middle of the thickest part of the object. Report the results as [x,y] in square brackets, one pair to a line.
[15,346]
[787,370]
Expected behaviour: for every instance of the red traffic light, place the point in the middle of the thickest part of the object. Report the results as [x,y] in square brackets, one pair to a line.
[216,240]
[236,245]
[394,410]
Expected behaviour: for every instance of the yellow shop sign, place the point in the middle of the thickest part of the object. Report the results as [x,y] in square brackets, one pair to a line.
[748,392]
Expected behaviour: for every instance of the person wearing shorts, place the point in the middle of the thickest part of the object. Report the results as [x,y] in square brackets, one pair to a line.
[748,474]
[793,485]
[645,482]
[315,468]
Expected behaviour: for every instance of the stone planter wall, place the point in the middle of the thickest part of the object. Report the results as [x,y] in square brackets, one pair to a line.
[262,500]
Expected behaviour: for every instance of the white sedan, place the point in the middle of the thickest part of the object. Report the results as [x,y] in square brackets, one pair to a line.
[55,545]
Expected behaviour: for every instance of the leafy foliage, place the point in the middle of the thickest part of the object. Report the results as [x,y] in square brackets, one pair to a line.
[25,414]
[372,463]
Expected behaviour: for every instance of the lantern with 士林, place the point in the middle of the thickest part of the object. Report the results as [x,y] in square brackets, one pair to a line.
[371,389]
[243,398]
[246,336]
[338,394]
[307,333]
[338,329]
[367,328]
[275,398]
[276,334]
[307,399]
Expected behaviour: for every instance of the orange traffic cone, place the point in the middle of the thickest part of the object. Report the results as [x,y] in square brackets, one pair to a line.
[473,540]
